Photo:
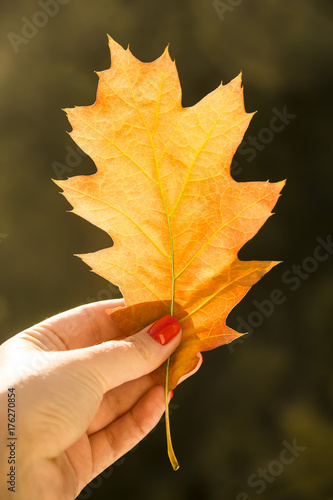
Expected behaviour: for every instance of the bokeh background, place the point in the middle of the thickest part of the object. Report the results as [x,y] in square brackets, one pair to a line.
[236,414]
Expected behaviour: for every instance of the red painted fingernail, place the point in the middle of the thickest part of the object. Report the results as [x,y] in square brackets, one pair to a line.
[170,395]
[165,329]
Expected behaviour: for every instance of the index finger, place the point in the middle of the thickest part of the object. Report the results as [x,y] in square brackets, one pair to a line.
[85,325]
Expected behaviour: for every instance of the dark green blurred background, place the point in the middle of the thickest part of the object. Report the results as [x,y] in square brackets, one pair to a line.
[248,399]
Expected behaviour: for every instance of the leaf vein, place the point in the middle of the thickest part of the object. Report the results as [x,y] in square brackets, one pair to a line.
[123,214]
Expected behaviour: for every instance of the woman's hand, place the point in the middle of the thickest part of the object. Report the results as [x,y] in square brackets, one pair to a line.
[82,401]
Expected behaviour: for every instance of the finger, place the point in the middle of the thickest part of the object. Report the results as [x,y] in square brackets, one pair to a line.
[116,362]
[118,401]
[83,326]
[192,372]
[118,438]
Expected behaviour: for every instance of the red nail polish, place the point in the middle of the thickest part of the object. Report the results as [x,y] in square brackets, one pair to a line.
[165,329]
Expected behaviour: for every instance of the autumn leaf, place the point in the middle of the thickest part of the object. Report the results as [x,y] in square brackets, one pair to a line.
[164,193]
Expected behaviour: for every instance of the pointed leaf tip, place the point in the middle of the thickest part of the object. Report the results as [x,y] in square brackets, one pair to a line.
[166,50]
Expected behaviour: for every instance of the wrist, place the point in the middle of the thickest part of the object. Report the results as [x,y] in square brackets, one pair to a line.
[8,444]
[18,470]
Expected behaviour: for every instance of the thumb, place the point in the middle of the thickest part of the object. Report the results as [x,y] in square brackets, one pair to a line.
[115,362]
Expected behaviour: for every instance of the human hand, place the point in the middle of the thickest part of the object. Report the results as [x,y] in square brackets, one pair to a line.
[83,399]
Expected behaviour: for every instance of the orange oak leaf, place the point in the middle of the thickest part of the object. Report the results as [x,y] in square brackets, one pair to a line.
[164,193]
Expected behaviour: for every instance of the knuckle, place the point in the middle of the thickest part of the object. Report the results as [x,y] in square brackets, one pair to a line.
[141,427]
[142,349]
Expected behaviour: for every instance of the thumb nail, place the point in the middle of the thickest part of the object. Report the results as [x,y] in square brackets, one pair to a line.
[165,329]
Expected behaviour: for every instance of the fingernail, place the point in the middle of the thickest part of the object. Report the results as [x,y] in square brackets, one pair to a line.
[165,329]
[170,395]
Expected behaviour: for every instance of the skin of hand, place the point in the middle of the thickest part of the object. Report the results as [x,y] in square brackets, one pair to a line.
[82,399]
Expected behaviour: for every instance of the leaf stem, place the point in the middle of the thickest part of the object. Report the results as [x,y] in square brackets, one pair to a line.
[171,453]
